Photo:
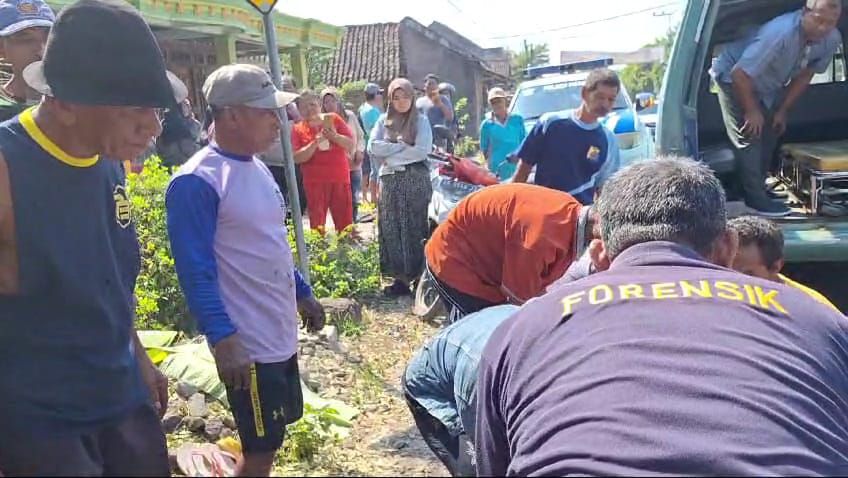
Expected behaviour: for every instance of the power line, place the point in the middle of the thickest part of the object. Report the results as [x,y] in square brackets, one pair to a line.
[469,17]
[591,22]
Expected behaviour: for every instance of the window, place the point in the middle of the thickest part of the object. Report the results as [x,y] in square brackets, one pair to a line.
[835,72]
[533,102]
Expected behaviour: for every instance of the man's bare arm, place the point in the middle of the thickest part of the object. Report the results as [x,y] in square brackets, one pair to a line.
[796,88]
[523,172]
[9,282]
[744,89]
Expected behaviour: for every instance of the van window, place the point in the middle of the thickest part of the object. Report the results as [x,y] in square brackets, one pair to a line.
[835,72]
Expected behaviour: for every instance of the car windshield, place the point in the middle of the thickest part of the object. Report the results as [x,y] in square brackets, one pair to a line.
[533,102]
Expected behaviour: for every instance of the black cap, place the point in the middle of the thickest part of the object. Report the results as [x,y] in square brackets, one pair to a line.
[102,52]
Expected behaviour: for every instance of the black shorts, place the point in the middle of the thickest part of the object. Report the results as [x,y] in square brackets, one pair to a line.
[274,400]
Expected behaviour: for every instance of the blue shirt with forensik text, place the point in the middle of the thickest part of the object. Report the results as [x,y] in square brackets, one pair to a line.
[775,53]
[665,364]
[570,155]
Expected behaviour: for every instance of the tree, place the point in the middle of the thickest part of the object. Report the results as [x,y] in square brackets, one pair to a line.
[531,54]
[317,60]
[639,78]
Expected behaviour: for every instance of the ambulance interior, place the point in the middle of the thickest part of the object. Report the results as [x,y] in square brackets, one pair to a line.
[812,156]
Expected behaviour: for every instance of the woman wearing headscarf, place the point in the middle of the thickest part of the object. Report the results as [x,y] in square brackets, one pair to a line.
[331,102]
[400,142]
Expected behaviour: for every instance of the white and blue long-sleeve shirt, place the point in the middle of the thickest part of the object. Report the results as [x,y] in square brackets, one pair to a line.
[226,223]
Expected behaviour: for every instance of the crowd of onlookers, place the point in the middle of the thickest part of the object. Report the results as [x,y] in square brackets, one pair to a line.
[604,320]
[375,154]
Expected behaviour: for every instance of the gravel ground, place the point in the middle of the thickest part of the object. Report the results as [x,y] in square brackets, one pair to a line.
[366,374]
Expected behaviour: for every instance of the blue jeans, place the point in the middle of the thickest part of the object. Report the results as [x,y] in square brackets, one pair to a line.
[456,453]
[355,188]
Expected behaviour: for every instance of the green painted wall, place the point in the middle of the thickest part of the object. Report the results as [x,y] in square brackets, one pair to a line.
[231,17]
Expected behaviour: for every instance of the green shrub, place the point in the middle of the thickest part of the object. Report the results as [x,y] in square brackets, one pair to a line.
[161,304]
[461,112]
[466,145]
[353,92]
[307,436]
[340,267]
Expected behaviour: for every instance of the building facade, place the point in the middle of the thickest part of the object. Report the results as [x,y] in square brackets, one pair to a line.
[381,52]
[198,36]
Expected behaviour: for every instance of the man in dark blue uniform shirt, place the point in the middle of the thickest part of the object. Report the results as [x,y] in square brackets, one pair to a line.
[666,362]
[571,150]
[78,388]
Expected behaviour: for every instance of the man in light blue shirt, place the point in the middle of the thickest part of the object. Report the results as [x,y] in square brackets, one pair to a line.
[440,385]
[369,113]
[761,76]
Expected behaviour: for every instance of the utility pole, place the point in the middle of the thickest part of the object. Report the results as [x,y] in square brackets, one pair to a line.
[266,8]
[667,15]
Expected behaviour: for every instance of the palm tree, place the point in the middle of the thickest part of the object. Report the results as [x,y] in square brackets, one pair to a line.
[531,54]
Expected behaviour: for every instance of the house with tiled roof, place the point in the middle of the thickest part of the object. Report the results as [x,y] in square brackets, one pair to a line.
[383,51]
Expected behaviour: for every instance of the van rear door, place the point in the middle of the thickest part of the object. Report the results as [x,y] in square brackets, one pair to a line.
[678,120]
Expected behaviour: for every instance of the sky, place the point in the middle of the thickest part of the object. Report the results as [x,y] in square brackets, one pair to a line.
[492,23]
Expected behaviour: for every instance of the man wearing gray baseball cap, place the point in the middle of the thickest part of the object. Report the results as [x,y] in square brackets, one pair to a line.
[226,222]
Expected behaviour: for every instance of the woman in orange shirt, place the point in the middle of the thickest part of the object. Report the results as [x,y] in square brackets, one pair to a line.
[321,143]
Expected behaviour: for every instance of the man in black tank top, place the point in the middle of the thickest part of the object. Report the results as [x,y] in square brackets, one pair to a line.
[80,395]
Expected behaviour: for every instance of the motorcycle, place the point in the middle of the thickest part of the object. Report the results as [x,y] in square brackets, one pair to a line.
[453,179]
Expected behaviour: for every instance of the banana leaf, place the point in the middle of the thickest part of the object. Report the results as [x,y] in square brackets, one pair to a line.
[155,343]
[193,363]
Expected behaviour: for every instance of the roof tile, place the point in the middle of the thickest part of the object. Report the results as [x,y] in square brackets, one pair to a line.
[366,52]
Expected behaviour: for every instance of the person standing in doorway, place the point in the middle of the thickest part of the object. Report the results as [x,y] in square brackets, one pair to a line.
[80,395]
[24,25]
[760,77]
[400,143]
[226,223]
[369,113]
[501,134]
[571,150]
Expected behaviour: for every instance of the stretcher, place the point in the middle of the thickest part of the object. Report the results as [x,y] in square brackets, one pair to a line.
[818,173]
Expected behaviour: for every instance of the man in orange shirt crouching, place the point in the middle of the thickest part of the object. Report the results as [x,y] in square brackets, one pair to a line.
[504,245]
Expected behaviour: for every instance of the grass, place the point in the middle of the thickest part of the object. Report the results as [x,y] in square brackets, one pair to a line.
[369,384]
[349,327]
